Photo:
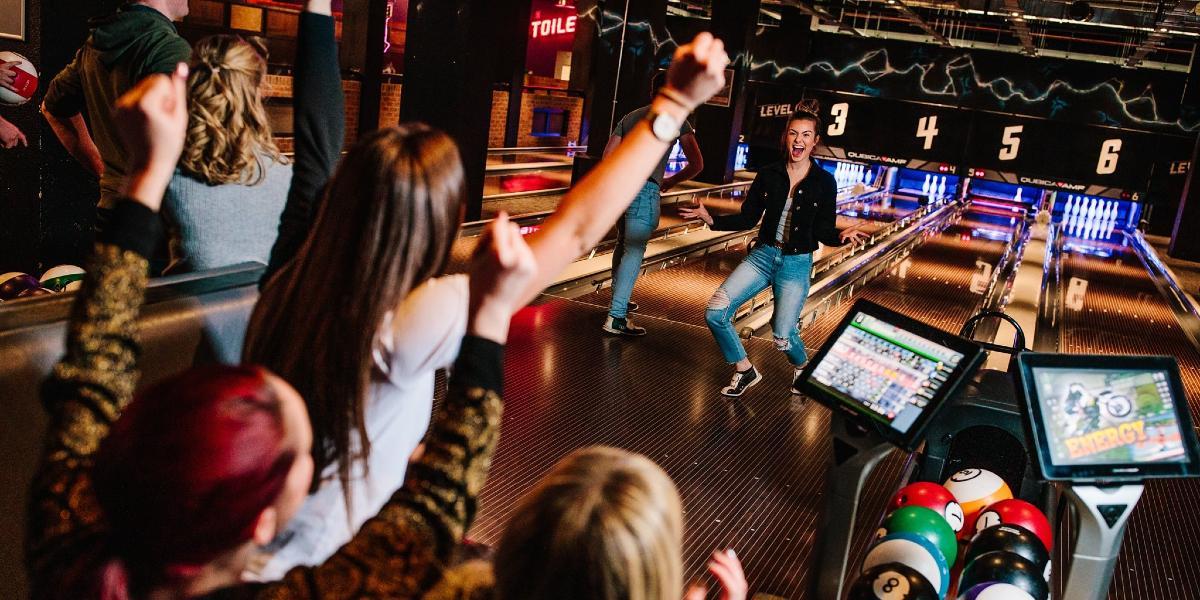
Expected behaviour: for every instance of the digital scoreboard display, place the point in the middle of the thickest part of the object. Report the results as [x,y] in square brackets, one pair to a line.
[1108,417]
[889,372]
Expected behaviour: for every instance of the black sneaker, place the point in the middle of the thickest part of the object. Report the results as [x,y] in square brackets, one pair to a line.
[741,381]
[796,380]
[623,326]
[632,306]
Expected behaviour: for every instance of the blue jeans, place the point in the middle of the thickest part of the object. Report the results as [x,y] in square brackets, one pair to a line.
[789,274]
[634,231]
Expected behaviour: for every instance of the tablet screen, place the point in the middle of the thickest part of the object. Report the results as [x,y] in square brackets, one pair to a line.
[1108,416]
[884,370]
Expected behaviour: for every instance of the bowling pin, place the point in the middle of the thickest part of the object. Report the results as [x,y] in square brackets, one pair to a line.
[1017,198]
[925,186]
[1091,209]
[1069,205]
[941,192]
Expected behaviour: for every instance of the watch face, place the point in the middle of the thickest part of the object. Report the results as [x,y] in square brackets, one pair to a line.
[665,128]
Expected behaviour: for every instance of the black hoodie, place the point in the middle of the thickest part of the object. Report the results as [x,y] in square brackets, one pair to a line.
[123,48]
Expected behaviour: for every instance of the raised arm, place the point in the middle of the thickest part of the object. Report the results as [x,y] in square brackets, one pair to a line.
[398,553]
[320,129]
[95,379]
[591,208]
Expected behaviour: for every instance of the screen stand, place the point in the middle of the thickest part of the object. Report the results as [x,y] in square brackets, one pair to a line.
[856,453]
[1102,513]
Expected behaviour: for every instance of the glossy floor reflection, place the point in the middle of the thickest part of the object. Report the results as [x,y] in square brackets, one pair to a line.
[751,472]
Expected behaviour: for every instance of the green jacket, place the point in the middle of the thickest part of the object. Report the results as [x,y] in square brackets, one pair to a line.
[123,48]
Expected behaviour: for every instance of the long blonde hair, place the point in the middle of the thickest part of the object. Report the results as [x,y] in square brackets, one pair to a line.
[604,524]
[228,131]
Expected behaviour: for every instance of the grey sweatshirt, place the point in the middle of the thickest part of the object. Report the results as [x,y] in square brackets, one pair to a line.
[211,226]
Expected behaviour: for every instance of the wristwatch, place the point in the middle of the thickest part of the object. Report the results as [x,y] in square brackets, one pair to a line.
[664,126]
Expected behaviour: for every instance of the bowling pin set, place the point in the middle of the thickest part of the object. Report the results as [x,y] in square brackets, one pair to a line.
[934,186]
[1090,218]
[847,175]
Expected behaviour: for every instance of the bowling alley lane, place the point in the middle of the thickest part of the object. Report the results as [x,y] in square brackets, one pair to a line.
[674,293]
[750,471]
[1113,306]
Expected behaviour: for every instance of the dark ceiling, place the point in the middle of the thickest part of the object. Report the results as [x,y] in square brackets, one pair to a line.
[1133,33]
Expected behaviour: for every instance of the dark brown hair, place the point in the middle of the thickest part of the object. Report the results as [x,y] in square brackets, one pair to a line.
[390,214]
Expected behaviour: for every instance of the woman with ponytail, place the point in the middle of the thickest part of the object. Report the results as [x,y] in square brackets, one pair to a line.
[223,204]
[796,202]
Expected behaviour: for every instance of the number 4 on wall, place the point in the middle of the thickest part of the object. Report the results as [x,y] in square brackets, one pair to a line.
[927,128]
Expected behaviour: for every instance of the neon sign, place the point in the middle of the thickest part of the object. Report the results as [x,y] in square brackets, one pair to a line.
[553,26]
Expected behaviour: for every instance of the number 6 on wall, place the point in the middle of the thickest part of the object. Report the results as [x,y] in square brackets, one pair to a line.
[1109,153]
[839,112]
[1012,143]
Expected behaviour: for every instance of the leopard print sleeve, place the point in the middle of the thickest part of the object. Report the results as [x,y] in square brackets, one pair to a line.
[84,395]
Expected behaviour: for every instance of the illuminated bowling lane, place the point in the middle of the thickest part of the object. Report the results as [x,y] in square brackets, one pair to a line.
[750,471]
[671,293]
[1112,306]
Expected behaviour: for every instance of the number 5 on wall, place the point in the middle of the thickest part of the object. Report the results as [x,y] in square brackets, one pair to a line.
[839,112]
[1012,143]
[1109,154]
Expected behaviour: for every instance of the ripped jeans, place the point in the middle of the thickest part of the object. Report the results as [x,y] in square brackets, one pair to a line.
[790,275]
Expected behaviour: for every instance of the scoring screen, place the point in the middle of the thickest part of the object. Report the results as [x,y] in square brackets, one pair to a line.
[884,371]
[1108,416]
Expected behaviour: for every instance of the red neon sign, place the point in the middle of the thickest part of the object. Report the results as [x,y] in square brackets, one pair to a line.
[553,26]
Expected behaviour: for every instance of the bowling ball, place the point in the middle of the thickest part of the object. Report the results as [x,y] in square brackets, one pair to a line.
[932,496]
[994,590]
[37,291]
[892,581]
[1005,567]
[12,284]
[975,490]
[26,81]
[916,552]
[63,278]
[926,523]
[1008,537]
[1017,512]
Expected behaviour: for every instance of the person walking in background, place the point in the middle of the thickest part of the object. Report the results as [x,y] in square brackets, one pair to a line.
[139,40]
[641,218]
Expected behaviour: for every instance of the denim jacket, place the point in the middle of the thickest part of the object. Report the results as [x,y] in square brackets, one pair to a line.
[814,209]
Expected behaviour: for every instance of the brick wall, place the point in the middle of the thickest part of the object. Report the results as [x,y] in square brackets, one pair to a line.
[389,105]
[499,119]
[533,99]
[280,86]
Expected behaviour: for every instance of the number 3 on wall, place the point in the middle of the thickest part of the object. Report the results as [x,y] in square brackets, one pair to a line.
[1109,154]
[1012,143]
[839,112]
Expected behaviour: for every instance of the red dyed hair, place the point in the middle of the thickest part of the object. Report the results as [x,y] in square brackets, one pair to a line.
[185,473]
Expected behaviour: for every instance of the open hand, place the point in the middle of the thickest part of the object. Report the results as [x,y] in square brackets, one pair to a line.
[152,120]
[11,136]
[698,69]
[726,567]
[696,212]
[7,75]
[854,235]
[501,270]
